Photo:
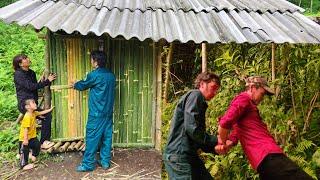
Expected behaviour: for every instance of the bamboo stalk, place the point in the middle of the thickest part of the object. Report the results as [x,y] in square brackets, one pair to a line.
[57,145]
[167,74]
[311,106]
[71,146]
[204,56]
[136,81]
[82,147]
[64,147]
[19,118]
[292,98]
[47,92]
[78,145]
[149,64]
[273,70]
[67,139]
[53,97]
[158,98]
[50,150]
[60,87]
[154,91]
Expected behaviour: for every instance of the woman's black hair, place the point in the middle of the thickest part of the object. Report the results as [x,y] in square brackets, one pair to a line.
[100,57]
[17,60]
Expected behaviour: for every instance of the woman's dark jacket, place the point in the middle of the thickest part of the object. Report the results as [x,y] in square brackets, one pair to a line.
[27,87]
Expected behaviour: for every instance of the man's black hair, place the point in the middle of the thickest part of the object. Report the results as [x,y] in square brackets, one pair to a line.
[100,57]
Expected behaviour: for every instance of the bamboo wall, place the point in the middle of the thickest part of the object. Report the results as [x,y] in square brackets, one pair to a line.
[132,63]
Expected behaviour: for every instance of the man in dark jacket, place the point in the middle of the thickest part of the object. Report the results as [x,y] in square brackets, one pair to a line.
[101,83]
[188,131]
[27,88]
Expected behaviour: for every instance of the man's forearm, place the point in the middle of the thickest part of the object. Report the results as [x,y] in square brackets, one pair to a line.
[223,134]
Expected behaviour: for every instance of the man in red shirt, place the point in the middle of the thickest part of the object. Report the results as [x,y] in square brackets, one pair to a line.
[262,151]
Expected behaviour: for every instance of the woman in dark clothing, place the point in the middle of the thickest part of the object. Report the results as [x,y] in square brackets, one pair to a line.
[27,88]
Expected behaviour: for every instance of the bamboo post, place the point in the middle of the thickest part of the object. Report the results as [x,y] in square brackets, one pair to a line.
[273,63]
[64,147]
[167,74]
[204,56]
[47,92]
[158,123]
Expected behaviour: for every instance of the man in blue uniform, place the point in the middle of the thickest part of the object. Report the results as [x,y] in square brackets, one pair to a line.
[99,125]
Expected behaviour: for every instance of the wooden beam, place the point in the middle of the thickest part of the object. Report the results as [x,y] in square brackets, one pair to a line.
[204,56]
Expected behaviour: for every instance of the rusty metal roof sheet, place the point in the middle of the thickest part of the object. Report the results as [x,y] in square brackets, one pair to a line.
[226,25]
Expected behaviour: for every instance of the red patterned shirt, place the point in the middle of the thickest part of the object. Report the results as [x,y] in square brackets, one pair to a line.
[244,119]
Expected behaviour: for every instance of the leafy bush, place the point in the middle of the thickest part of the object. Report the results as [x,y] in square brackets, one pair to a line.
[15,40]
[9,142]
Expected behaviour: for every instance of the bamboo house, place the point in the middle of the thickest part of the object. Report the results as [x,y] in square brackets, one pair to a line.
[132,34]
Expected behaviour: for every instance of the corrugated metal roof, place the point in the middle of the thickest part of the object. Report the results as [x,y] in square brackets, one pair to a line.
[214,26]
[189,5]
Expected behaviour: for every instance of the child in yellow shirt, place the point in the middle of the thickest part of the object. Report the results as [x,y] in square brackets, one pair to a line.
[28,134]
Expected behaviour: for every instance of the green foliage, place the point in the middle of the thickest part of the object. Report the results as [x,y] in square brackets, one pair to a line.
[9,138]
[6,2]
[308,4]
[316,158]
[291,115]
[9,142]
[166,116]
[15,40]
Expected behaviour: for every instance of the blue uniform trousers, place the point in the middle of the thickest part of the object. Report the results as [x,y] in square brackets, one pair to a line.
[98,132]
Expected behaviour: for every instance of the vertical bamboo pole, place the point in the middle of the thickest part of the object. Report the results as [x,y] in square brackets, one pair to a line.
[204,56]
[167,74]
[273,73]
[129,88]
[135,90]
[47,92]
[122,117]
[159,47]
[154,91]
[142,92]
[51,68]
[149,56]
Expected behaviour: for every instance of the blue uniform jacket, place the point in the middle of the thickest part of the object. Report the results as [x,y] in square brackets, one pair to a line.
[101,95]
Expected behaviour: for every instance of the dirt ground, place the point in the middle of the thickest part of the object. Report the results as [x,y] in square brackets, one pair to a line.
[126,164]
